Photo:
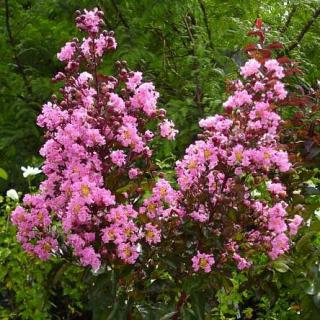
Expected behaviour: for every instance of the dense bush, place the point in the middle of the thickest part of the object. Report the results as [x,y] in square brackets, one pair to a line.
[195,247]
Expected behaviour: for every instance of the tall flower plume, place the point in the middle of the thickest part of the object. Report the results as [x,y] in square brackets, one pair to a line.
[97,154]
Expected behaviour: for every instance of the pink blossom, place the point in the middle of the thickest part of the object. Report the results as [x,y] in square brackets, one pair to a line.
[294,224]
[133,173]
[239,99]
[88,132]
[127,253]
[202,261]
[242,262]
[134,80]
[217,122]
[67,51]
[167,129]
[118,157]
[258,86]
[250,68]
[43,249]
[276,188]
[273,65]
[279,245]
[280,90]
[200,214]
[152,234]
[145,97]
[90,20]
[89,257]
[84,77]
[116,103]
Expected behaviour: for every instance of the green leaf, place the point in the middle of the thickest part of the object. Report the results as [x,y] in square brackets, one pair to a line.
[3,174]
[280,266]
[168,315]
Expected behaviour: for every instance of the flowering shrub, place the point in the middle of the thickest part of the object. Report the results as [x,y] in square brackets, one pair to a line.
[97,153]
[231,179]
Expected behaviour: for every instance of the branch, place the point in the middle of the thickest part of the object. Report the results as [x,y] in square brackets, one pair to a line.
[304,30]
[181,301]
[19,65]
[196,66]
[206,21]
[120,15]
[286,25]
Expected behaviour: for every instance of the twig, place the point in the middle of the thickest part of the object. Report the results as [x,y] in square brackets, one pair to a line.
[120,15]
[286,25]
[196,66]
[206,21]
[304,30]
[181,301]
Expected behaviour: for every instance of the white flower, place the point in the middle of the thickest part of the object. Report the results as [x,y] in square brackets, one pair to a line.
[30,171]
[311,184]
[139,248]
[255,193]
[317,213]
[12,194]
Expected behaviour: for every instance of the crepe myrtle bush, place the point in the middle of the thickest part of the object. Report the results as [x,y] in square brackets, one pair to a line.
[97,152]
[232,181]
[100,198]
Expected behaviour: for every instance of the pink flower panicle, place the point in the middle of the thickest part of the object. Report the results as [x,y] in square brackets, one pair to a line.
[97,142]
[240,146]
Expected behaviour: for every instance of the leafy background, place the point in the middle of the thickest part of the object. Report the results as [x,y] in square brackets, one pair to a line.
[188,48]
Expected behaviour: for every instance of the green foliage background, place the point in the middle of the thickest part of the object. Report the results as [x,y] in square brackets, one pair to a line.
[188,48]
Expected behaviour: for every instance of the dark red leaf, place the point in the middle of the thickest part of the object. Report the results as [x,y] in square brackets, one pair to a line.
[257,33]
[284,59]
[259,23]
[275,45]
[250,47]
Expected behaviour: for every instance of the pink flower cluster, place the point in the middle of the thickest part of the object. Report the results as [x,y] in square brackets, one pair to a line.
[99,169]
[97,141]
[221,174]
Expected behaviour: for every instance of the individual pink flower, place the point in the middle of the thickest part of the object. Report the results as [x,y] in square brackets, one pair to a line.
[118,157]
[294,224]
[250,68]
[67,51]
[89,257]
[116,103]
[200,214]
[279,245]
[133,173]
[167,129]
[280,90]
[272,65]
[84,77]
[145,97]
[258,86]
[276,188]
[44,248]
[239,99]
[202,261]
[152,234]
[127,253]
[134,80]
[242,263]
[217,122]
